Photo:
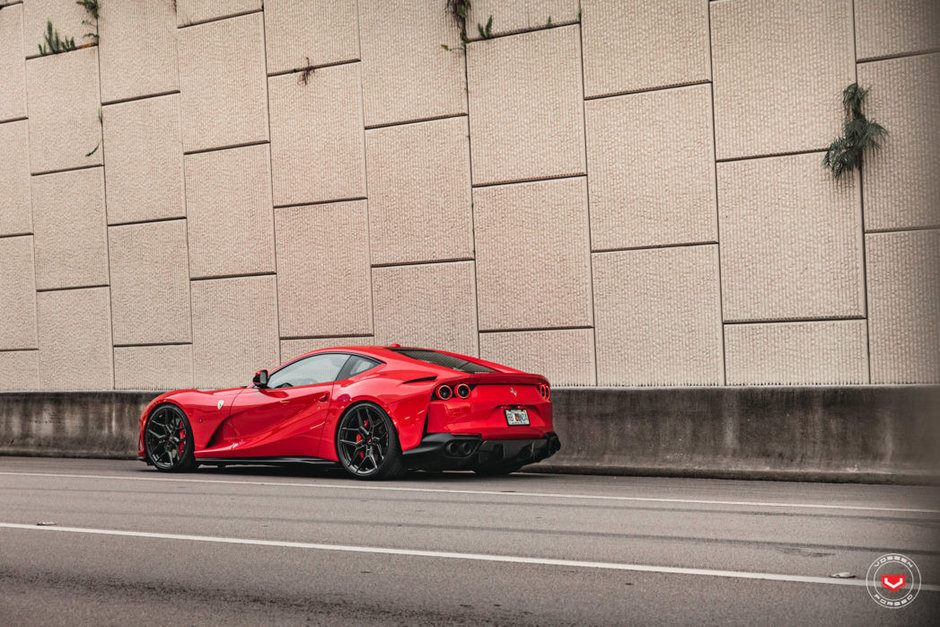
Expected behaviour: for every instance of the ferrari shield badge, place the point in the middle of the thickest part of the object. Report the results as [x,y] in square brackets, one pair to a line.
[219,406]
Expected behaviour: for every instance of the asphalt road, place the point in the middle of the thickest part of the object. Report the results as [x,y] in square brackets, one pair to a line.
[299,546]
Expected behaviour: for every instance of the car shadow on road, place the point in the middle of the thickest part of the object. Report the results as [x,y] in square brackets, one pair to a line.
[336,472]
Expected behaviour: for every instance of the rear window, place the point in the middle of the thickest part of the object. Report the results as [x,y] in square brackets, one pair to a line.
[440,359]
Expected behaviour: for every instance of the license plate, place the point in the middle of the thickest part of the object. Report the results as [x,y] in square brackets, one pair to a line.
[517,417]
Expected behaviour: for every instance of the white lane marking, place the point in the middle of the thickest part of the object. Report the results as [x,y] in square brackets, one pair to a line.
[477,557]
[548,495]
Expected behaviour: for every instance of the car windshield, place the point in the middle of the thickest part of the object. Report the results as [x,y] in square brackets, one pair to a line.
[440,359]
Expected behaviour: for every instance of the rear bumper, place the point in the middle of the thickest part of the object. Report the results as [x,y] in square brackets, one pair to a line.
[443,451]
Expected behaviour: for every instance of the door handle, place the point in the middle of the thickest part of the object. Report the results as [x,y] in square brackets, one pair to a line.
[323,397]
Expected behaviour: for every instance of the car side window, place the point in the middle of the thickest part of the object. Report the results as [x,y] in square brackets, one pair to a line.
[309,371]
[357,365]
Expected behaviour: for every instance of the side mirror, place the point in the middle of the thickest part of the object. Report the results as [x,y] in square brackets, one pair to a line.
[260,379]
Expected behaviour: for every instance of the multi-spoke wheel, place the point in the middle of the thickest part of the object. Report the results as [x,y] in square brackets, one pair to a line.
[168,439]
[367,444]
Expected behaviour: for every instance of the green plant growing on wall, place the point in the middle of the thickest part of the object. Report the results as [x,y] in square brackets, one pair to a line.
[305,72]
[98,145]
[54,44]
[486,32]
[859,135]
[91,7]
[459,10]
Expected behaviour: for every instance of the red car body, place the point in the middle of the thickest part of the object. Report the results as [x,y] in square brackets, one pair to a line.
[290,424]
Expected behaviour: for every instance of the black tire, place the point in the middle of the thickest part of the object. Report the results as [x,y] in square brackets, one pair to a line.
[367,444]
[168,439]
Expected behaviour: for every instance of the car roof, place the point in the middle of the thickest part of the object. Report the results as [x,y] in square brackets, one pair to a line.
[390,353]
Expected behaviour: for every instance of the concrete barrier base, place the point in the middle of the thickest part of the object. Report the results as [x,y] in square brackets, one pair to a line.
[861,434]
[71,424]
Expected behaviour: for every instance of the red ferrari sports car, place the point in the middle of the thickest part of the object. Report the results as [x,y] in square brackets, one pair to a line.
[378,411]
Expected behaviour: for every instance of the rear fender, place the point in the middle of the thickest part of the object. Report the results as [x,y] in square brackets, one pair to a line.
[405,403]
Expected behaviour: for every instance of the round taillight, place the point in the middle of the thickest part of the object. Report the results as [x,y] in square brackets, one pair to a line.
[444,392]
[545,391]
[462,390]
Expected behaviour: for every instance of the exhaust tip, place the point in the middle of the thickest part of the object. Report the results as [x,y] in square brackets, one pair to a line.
[460,448]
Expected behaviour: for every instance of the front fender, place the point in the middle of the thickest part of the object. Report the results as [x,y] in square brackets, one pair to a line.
[142,421]
[205,410]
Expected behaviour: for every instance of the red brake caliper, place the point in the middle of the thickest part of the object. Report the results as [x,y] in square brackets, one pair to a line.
[362,453]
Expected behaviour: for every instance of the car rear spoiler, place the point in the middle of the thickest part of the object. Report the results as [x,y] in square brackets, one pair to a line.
[502,378]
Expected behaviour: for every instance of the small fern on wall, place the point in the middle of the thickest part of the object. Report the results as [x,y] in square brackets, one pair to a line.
[859,135]
[91,8]
[54,43]
[460,9]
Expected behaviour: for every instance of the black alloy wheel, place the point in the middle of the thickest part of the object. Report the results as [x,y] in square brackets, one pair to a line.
[367,444]
[168,439]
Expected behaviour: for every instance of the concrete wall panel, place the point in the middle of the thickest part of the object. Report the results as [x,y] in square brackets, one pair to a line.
[71,233]
[406,74]
[194,11]
[62,95]
[858,433]
[904,305]
[658,317]
[791,240]
[234,330]
[780,68]
[428,305]
[643,45]
[295,348]
[533,255]
[15,214]
[526,108]
[902,189]
[419,192]
[564,357]
[894,27]
[20,371]
[324,281]
[230,218]
[511,17]
[316,136]
[75,340]
[797,353]
[66,18]
[222,83]
[17,294]
[644,190]
[138,49]
[150,283]
[318,32]
[12,65]
[153,367]
[145,160]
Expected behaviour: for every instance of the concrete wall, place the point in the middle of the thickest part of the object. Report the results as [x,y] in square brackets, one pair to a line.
[847,433]
[631,195]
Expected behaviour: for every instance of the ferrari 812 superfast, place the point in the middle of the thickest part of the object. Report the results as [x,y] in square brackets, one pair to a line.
[378,411]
